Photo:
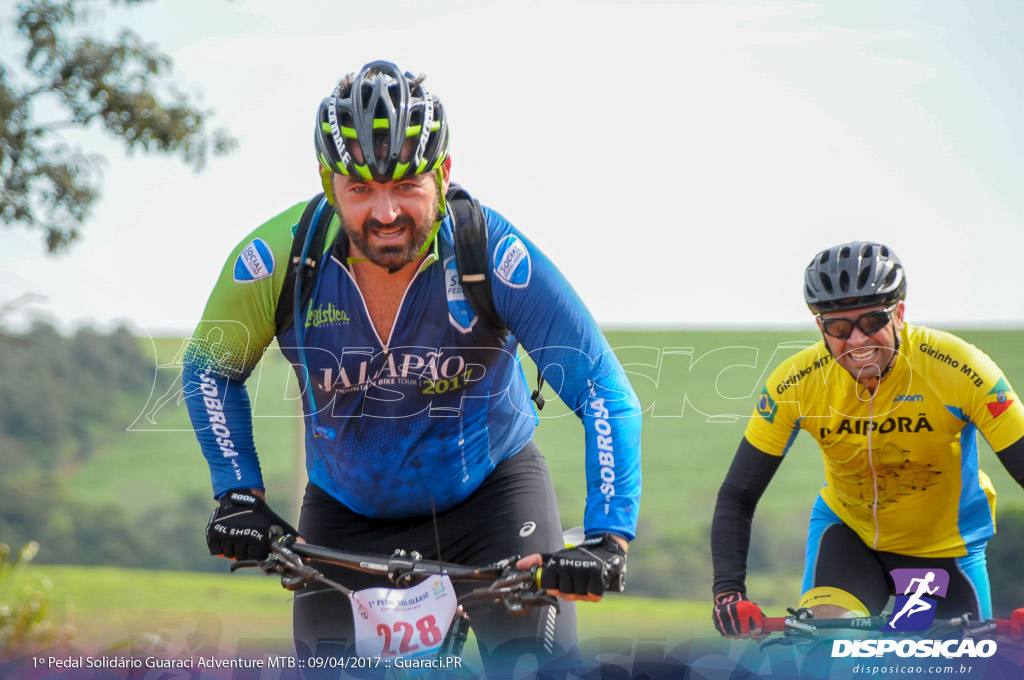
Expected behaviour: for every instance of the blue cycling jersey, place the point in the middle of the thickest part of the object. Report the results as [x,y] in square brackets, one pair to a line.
[419,421]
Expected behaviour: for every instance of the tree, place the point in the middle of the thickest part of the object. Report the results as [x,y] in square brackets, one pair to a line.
[69,80]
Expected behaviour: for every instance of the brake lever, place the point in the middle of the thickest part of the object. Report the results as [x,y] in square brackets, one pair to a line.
[515,578]
[271,565]
[298,581]
[517,590]
[529,600]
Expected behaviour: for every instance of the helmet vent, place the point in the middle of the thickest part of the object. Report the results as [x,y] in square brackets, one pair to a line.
[826,282]
[862,278]
[844,281]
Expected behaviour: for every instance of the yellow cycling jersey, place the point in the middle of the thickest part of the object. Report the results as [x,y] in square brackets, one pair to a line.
[901,466]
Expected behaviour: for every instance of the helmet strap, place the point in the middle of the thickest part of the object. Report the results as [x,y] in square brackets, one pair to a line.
[327,181]
[442,211]
[895,350]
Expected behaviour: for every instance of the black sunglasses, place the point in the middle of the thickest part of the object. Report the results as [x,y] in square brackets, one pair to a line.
[868,323]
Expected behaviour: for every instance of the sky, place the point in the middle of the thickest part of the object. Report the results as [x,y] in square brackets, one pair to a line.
[681,162]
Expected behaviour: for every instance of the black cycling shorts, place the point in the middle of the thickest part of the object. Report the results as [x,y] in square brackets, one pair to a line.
[838,558]
[514,512]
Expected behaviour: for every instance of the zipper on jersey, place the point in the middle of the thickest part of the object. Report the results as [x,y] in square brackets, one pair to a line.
[385,346]
[874,472]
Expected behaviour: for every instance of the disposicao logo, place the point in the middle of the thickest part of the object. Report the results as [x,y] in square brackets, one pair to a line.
[914,610]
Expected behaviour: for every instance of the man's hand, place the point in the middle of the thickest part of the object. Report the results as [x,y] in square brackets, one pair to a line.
[240,528]
[582,572]
[736,616]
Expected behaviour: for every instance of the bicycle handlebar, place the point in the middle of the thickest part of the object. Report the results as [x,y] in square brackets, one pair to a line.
[517,589]
[403,568]
[782,624]
[801,624]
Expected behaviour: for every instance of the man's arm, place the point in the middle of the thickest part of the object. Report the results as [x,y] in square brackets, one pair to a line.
[551,322]
[1012,458]
[236,327]
[547,316]
[751,471]
[748,477]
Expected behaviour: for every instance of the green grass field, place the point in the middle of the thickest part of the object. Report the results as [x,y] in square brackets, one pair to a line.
[110,608]
[697,388]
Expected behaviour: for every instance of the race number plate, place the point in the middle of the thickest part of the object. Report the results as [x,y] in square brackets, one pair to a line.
[403,622]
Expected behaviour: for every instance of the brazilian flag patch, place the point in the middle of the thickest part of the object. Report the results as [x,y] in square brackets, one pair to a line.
[766,405]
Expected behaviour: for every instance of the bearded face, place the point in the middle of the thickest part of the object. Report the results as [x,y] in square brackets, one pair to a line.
[388,223]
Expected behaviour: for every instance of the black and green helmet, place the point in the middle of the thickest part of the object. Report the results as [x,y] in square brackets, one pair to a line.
[854,275]
[399,128]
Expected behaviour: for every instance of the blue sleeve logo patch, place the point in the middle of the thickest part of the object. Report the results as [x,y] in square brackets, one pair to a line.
[254,262]
[512,262]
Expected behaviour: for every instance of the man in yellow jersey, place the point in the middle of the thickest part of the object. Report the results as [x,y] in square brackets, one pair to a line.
[896,409]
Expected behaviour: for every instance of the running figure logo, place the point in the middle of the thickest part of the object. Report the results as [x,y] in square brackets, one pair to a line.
[914,610]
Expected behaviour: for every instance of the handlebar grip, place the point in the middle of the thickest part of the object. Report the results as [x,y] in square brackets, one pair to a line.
[773,624]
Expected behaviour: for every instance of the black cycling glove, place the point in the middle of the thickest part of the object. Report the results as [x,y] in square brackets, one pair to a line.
[240,528]
[596,564]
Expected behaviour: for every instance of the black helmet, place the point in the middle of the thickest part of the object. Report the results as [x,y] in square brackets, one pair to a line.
[853,275]
[379,110]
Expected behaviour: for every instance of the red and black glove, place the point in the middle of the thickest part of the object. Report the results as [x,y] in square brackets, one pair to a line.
[735,615]
[240,527]
[1017,622]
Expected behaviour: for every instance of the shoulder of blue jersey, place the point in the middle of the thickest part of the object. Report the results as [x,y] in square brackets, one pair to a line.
[512,264]
[254,262]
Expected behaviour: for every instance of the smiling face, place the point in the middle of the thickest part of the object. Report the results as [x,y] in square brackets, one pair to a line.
[388,223]
[870,346]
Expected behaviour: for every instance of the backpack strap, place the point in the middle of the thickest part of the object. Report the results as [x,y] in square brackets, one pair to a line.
[469,230]
[304,261]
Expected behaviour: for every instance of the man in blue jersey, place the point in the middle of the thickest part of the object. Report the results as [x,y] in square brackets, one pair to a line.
[419,424]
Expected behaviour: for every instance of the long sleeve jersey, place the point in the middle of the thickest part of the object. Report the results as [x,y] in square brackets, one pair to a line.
[422,418]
